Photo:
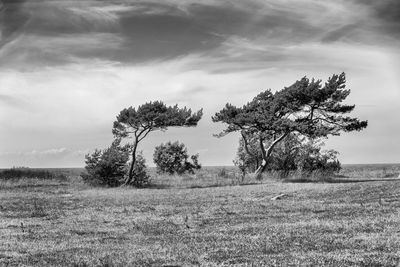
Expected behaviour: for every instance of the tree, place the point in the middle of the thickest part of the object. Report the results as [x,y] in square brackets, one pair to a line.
[173,158]
[306,107]
[150,117]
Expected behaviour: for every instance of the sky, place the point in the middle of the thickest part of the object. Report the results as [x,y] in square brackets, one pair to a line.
[67,67]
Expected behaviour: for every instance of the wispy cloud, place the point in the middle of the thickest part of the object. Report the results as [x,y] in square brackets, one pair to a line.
[11,101]
[48,33]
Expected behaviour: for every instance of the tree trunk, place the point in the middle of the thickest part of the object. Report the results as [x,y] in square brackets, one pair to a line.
[266,153]
[261,168]
[131,168]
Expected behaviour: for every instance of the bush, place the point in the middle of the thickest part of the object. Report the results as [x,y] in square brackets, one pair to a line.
[107,167]
[140,171]
[294,153]
[173,158]
[311,158]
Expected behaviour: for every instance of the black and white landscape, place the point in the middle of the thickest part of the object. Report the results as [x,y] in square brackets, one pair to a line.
[199,133]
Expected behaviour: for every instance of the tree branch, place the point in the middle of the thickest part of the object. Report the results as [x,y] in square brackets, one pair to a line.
[264,154]
[327,121]
[246,145]
[148,131]
[273,144]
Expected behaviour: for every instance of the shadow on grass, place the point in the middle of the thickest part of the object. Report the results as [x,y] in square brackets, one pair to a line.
[340,180]
[156,186]
[40,185]
[221,185]
[194,186]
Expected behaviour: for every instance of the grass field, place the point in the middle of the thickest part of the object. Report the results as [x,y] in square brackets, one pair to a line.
[184,222]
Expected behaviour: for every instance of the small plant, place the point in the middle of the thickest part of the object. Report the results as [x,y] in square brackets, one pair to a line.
[173,158]
[38,208]
[222,173]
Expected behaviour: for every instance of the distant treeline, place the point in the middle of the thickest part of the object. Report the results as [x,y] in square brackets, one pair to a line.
[18,173]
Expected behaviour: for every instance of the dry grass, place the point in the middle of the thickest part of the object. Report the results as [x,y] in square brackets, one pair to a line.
[371,170]
[325,224]
[206,177]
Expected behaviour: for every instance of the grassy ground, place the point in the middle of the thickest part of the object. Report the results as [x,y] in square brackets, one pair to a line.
[64,223]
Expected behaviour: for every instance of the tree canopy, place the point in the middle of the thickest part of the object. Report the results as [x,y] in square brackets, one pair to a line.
[148,117]
[307,107]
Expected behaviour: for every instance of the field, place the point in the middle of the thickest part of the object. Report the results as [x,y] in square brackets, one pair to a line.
[212,219]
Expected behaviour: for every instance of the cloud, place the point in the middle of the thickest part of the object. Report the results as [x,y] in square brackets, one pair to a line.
[383,18]
[339,33]
[11,101]
[387,11]
[12,20]
[27,52]
[46,33]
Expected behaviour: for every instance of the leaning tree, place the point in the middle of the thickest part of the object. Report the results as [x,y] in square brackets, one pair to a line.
[150,117]
[306,107]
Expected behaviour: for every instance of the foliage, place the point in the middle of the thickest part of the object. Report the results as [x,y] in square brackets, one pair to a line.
[306,107]
[293,153]
[107,167]
[140,171]
[24,172]
[311,158]
[149,117]
[248,156]
[173,158]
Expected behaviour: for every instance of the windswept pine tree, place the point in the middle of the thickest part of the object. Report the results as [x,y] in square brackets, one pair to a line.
[151,116]
[307,107]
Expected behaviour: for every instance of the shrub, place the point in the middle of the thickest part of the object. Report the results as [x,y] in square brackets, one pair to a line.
[107,167]
[294,153]
[173,158]
[311,158]
[140,171]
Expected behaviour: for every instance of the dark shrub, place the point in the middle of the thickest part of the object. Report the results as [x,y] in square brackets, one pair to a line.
[107,167]
[173,158]
[140,171]
[110,166]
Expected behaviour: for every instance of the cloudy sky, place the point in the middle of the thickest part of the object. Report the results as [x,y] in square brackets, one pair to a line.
[67,67]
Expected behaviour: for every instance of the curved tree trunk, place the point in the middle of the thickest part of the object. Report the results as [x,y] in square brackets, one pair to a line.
[261,168]
[266,153]
[131,177]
